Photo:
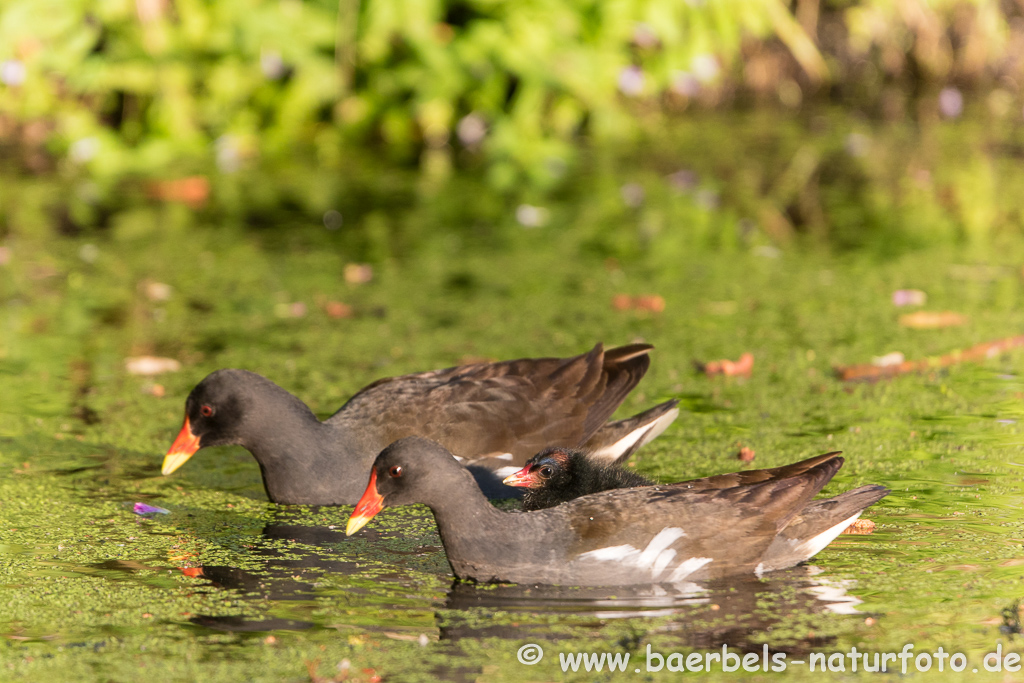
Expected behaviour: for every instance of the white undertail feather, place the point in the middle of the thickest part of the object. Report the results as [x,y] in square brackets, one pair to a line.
[643,434]
[814,545]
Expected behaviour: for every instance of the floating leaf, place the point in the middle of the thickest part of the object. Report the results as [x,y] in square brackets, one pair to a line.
[860,527]
[648,302]
[978,352]
[928,320]
[337,309]
[740,368]
[894,358]
[151,365]
[358,273]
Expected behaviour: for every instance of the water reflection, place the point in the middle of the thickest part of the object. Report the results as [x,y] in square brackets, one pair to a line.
[738,612]
[318,562]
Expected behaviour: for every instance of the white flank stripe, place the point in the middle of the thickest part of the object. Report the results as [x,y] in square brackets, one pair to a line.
[662,540]
[656,557]
[503,456]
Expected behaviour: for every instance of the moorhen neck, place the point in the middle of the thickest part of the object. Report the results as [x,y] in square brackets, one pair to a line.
[556,475]
[650,534]
[492,415]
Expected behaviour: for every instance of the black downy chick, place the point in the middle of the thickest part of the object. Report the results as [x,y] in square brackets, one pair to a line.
[557,475]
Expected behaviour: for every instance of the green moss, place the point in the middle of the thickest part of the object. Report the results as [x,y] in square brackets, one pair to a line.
[88,590]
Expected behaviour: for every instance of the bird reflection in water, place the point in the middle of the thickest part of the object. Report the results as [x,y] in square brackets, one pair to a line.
[738,612]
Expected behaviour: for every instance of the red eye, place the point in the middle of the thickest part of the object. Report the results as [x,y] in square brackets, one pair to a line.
[395,471]
[206,411]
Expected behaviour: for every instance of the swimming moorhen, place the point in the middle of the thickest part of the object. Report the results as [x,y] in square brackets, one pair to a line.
[556,475]
[493,415]
[648,534]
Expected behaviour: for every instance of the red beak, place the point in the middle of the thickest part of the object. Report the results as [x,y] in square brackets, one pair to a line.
[181,450]
[367,508]
[520,478]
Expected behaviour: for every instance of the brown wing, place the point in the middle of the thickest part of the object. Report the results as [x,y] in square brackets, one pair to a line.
[518,406]
[734,526]
[744,478]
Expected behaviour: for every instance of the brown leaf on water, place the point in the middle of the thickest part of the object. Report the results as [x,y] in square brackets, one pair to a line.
[930,320]
[860,527]
[150,365]
[652,303]
[358,273]
[739,368]
[746,454]
[336,309]
[978,352]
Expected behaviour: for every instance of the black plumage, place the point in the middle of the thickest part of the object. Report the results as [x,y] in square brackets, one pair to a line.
[556,475]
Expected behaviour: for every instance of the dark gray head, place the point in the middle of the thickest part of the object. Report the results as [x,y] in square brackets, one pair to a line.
[411,470]
[231,407]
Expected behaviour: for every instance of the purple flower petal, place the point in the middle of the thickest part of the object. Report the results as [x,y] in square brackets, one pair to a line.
[144,509]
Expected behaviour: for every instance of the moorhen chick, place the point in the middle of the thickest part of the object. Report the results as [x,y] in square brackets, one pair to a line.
[642,535]
[556,475]
[493,415]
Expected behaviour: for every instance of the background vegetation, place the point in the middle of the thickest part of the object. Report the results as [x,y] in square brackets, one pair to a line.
[115,88]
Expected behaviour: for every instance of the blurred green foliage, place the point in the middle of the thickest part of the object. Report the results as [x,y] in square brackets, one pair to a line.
[114,88]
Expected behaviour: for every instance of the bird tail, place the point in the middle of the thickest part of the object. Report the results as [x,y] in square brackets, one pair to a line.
[616,441]
[817,525]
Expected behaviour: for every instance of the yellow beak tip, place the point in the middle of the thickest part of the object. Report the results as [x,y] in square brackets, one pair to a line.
[355,524]
[173,461]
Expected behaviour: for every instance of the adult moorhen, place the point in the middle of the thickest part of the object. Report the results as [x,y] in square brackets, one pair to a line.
[557,475]
[648,534]
[493,415]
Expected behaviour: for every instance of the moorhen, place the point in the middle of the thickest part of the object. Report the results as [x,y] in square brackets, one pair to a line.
[493,415]
[648,534]
[556,475]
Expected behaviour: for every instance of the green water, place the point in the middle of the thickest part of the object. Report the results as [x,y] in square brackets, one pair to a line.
[91,591]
